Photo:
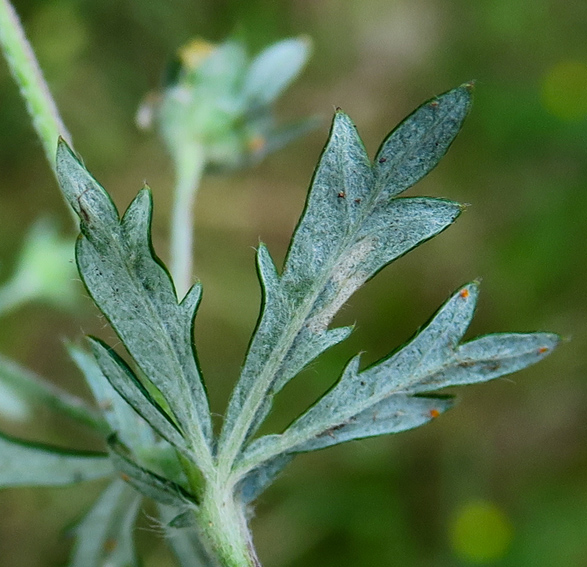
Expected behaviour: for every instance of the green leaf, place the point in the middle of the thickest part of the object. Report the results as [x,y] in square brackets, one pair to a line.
[257,480]
[275,68]
[134,291]
[147,482]
[221,72]
[391,415]
[44,270]
[489,357]
[24,463]
[105,535]
[131,429]
[380,399]
[184,543]
[280,136]
[416,146]
[350,230]
[31,390]
[124,381]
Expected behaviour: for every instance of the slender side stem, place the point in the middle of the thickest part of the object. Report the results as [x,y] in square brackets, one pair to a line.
[29,78]
[190,165]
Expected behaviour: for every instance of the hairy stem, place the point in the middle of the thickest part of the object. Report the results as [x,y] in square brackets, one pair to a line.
[224,531]
[29,78]
[189,169]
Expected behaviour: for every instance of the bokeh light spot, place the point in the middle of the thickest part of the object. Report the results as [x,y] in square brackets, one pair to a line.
[564,90]
[480,532]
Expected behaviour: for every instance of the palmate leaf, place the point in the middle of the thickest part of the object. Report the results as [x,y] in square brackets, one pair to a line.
[351,228]
[384,397]
[134,291]
[34,464]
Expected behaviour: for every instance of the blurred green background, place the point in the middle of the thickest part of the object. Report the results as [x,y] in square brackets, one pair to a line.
[502,479]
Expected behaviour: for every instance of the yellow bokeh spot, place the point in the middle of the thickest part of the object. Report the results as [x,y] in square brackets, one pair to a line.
[480,532]
[564,90]
[194,52]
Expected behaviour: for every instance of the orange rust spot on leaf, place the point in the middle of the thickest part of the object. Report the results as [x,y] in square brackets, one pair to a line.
[124,477]
[464,293]
[542,350]
[434,413]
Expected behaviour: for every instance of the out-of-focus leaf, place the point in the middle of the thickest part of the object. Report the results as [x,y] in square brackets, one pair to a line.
[280,136]
[216,103]
[104,537]
[44,270]
[30,390]
[274,69]
[33,464]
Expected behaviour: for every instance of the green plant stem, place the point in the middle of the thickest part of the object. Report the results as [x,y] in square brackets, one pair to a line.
[29,78]
[223,525]
[190,165]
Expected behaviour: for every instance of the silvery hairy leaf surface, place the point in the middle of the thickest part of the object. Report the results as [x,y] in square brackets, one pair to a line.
[134,291]
[350,229]
[355,222]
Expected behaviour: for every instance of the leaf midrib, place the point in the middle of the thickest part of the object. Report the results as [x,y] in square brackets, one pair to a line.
[285,442]
[262,385]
